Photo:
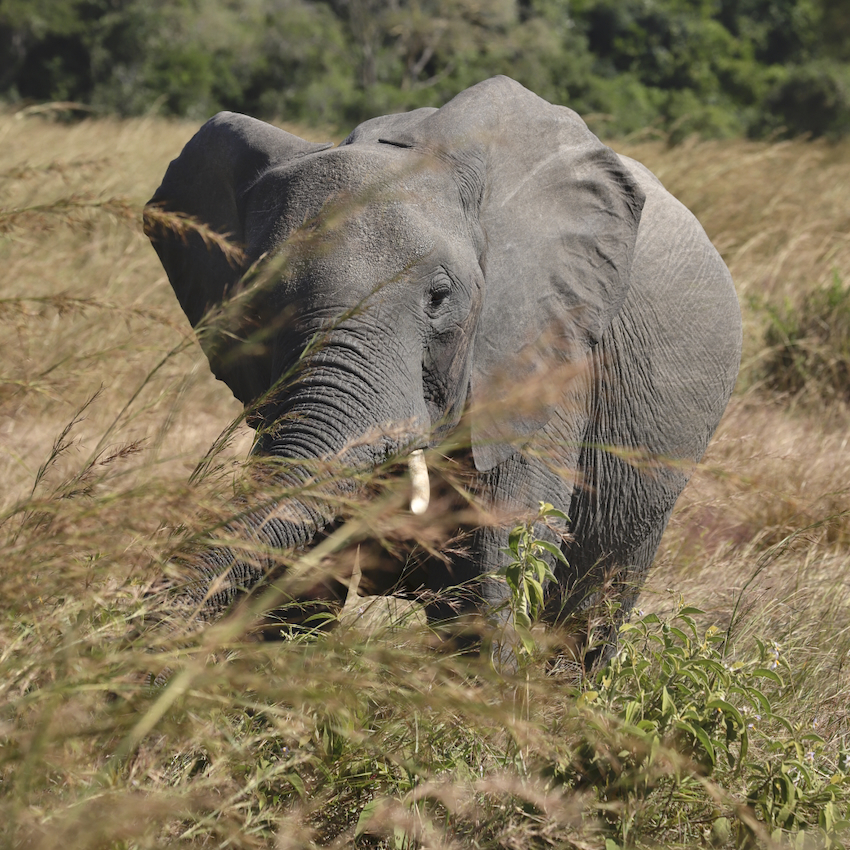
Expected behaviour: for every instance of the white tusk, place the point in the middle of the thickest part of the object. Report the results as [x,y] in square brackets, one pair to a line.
[419,479]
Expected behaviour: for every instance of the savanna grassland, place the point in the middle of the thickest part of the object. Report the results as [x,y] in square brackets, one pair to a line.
[723,721]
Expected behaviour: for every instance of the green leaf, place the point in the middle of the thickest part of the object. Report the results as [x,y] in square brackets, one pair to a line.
[297,783]
[536,593]
[667,704]
[698,677]
[632,710]
[365,818]
[513,576]
[681,635]
[691,625]
[827,816]
[812,736]
[700,734]
[320,617]
[541,568]
[586,698]
[401,839]
[553,550]
[760,698]
[780,719]
[728,709]
[764,673]
[789,792]
[547,510]
[721,831]
[745,746]
[709,664]
[526,639]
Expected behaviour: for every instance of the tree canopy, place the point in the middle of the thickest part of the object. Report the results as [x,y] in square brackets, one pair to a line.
[713,67]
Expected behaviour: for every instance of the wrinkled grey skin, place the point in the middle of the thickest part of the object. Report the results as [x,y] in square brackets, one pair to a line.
[489,241]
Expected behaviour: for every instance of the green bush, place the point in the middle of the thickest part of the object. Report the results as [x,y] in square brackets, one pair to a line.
[677,722]
[808,345]
[811,99]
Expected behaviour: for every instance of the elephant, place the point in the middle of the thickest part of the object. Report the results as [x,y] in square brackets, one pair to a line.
[446,258]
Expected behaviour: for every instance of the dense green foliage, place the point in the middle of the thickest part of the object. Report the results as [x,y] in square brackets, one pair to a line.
[714,67]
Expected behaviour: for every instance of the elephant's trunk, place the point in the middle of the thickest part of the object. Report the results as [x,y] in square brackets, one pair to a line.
[331,421]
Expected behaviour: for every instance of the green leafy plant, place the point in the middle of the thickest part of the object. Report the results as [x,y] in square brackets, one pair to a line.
[528,572]
[674,721]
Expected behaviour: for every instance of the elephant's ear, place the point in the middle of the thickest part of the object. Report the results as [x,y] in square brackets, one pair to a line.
[559,215]
[202,247]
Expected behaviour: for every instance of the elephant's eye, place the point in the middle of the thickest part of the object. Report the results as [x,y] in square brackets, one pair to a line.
[440,291]
[438,296]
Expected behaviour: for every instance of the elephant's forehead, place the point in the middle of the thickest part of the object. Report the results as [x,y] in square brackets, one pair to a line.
[367,247]
[372,171]
[348,183]
[367,216]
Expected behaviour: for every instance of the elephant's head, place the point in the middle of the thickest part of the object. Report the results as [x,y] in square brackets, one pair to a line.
[386,283]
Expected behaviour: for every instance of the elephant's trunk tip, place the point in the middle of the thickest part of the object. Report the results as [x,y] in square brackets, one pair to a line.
[419,479]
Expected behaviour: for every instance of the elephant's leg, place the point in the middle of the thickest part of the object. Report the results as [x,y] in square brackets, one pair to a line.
[619,513]
[584,610]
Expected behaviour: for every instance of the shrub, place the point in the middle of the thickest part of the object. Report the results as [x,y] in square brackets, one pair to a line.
[676,722]
[808,345]
[811,99]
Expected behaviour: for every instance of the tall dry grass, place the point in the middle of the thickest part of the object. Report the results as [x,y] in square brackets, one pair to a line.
[106,408]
